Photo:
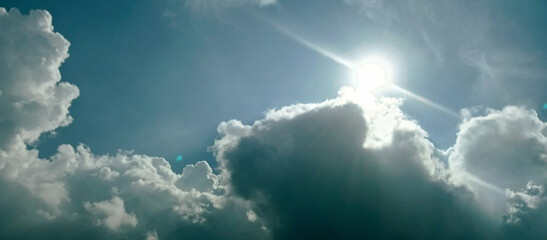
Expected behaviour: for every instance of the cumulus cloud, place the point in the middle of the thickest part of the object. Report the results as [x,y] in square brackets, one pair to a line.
[507,148]
[348,168]
[33,99]
[307,174]
[76,194]
[136,197]
[198,176]
[527,212]
[111,213]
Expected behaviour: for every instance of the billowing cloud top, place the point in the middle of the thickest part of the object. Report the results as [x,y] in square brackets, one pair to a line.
[353,167]
[33,99]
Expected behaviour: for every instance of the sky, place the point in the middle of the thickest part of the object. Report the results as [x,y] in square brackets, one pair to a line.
[245,119]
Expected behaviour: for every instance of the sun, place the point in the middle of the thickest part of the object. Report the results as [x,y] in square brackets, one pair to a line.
[371,75]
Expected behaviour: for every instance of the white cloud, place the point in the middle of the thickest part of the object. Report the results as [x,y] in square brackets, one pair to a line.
[506,148]
[111,213]
[62,197]
[350,167]
[198,176]
[152,235]
[33,99]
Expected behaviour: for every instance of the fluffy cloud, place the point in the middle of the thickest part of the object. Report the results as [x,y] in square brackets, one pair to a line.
[527,213]
[33,100]
[111,213]
[198,176]
[506,151]
[76,194]
[306,172]
[122,196]
[349,168]
[507,148]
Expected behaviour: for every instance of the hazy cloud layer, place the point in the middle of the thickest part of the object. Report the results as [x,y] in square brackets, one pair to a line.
[479,34]
[349,168]
[204,4]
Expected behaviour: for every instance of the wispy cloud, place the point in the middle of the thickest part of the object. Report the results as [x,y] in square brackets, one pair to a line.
[172,8]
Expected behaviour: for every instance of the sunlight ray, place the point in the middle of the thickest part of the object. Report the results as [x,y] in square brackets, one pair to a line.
[304,42]
[483,183]
[426,101]
[350,65]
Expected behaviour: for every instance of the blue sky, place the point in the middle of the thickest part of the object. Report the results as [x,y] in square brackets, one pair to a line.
[161,84]
[98,99]
[177,76]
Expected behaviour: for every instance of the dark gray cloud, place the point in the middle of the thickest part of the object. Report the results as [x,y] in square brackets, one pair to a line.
[527,213]
[309,177]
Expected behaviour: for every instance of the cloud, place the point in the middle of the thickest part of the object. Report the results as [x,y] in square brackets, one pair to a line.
[206,4]
[33,99]
[527,212]
[172,8]
[76,194]
[307,174]
[507,148]
[502,70]
[111,213]
[472,36]
[122,196]
[198,176]
[347,168]
[438,26]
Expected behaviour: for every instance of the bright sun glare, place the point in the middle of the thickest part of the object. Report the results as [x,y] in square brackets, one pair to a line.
[371,75]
